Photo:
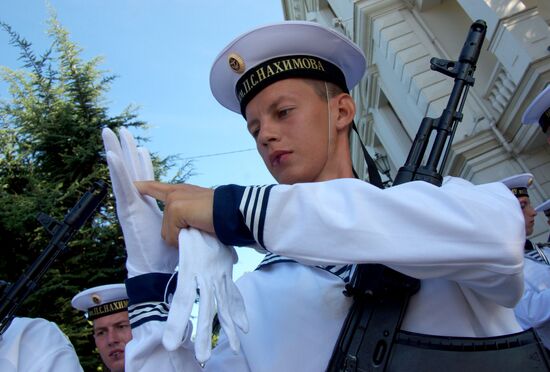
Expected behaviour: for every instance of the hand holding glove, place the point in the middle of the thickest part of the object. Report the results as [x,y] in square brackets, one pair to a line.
[139,216]
[206,264]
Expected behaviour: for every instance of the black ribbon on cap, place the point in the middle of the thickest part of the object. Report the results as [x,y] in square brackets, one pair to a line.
[275,69]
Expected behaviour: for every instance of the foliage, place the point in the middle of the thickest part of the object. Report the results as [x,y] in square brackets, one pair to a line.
[50,154]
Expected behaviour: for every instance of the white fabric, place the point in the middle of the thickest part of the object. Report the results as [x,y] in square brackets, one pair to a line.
[472,235]
[533,310]
[145,351]
[207,265]
[295,314]
[139,216]
[35,344]
[465,242]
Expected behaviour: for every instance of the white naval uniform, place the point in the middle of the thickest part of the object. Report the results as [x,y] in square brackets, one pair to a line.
[36,345]
[464,242]
[533,310]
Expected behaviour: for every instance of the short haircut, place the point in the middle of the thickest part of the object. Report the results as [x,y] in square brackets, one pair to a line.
[324,88]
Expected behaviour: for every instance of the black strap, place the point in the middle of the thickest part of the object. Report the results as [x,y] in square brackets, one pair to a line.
[374,176]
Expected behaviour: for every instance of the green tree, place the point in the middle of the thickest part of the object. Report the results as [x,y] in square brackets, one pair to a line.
[50,154]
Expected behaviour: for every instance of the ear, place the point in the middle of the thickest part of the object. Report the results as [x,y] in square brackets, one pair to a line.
[346,110]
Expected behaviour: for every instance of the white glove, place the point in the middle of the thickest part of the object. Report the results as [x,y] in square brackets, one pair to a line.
[139,216]
[206,264]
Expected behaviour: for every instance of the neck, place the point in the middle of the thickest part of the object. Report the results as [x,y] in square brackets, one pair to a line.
[340,164]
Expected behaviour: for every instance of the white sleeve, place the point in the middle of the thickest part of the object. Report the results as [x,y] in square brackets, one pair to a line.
[470,234]
[533,310]
[147,312]
[145,351]
[35,344]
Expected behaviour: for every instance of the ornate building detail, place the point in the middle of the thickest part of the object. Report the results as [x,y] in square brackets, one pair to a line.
[501,90]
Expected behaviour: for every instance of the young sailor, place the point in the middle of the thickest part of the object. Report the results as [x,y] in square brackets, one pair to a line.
[291,83]
[107,307]
[533,310]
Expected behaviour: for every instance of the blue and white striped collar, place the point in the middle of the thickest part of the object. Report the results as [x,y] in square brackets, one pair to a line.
[344,272]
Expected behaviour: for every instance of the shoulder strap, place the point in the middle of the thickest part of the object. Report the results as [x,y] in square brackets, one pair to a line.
[372,170]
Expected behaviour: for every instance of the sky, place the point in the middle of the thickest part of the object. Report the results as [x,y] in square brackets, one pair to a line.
[161,52]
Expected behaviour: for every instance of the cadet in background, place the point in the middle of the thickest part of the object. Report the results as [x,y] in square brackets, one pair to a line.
[107,307]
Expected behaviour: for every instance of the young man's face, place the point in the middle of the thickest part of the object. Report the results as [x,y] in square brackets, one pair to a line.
[289,122]
[529,214]
[111,334]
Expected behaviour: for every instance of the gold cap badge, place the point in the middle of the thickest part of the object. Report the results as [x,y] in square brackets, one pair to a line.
[236,63]
[96,299]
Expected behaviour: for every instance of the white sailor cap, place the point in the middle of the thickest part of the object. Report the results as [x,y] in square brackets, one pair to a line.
[101,301]
[544,207]
[519,183]
[274,52]
[538,111]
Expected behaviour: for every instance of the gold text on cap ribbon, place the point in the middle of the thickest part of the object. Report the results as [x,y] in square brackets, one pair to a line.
[275,68]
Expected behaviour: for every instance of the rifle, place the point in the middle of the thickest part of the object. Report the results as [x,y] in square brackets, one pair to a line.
[381,295]
[445,126]
[62,233]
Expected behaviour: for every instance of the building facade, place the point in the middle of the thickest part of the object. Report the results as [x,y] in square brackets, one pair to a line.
[399,37]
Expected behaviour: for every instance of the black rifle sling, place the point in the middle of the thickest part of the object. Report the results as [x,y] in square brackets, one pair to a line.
[372,170]
[381,296]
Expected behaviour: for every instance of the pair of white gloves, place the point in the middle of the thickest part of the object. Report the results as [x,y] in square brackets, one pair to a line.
[204,262]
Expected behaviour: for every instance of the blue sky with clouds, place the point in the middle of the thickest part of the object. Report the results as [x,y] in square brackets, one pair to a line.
[161,52]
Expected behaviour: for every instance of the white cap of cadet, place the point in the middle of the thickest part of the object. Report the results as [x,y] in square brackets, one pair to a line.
[101,301]
[544,207]
[274,52]
[519,183]
[538,111]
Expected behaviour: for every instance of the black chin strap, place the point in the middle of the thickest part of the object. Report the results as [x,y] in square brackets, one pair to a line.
[374,176]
